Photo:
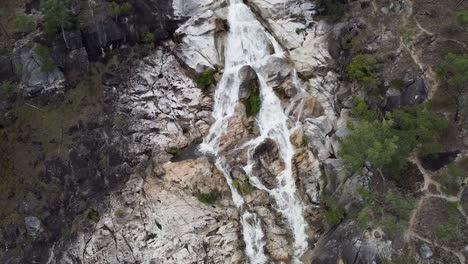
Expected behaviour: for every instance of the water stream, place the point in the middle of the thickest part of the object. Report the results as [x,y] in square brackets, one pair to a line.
[248,43]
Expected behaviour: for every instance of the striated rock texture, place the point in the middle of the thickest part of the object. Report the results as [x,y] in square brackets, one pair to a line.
[116,176]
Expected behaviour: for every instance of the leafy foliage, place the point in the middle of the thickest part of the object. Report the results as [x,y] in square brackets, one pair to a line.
[205,80]
[452,180]
[454,71]
[450,231]
[56,16]
[363,69]
[209,198]
[371,144]
[334,213]
[385,145]
[24,23]
[390,211]
[254,103]
[361,110]
[462,17]
[419,126]
[331,10]
[121,10]
[7,88]
[147,38]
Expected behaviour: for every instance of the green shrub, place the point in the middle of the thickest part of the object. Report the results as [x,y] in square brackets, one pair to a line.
[450,231]
[147,38]
[373,143]
[361,110]
[452,179]
[391,211]
[331,10]
[7,87]
[334,214]
[24,23]
[254,103]
[419,127]
[454,72]
[47,64]
[205,80]
[300,30]
[93,215]
[363,218]
[56,16]
[462,17]
[386,145]
[209,198]
[120,10]
[363,70]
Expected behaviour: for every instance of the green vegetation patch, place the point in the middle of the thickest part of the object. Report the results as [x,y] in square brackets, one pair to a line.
[391,211]
[454,72]
[363,69]
[117,10]
[24,23]
[243,186]
[209,198]
[205,80]
[384,144]
[147,38]
[331,10]
[254,102]
[334,213]
[462,17]
[452,179]
[56,17]
[451,230]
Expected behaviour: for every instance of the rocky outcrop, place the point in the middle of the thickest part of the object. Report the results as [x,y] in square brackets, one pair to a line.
[156,220]
[200,42]
[165,108]
[37,77]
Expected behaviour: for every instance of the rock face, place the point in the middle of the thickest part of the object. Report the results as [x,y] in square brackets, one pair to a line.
[166,109]
[248,78]
[34,77]
[157,221]
[268,163]
[201,41]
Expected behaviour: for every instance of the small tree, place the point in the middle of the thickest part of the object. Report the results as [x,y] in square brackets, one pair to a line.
[363,70]
[454,71]
[120,10]
[56,18]
[373,145]
[147,38]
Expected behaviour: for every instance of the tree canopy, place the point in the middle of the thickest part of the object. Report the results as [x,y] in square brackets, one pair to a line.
[384,145]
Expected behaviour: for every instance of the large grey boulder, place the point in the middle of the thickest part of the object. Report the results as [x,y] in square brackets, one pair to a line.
[200,42]
[35,79]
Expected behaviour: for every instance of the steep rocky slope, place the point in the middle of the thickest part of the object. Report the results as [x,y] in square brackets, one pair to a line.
[100,159]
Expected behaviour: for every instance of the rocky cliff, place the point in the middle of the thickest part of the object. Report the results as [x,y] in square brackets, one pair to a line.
[103,129]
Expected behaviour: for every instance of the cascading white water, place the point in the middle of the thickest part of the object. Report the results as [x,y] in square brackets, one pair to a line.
[247,44]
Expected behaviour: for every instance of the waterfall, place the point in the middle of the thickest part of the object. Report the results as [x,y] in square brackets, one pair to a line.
[248,43]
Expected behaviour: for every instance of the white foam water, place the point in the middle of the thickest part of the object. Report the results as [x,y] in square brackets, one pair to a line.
[248,43]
